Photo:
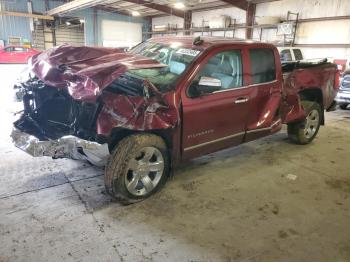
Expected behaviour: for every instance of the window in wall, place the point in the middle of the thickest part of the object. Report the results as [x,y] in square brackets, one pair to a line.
[262,63]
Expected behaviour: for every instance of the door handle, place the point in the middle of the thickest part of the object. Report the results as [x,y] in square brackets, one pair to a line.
[241,100]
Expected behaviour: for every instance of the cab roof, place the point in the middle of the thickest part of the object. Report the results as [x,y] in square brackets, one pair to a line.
[207,41]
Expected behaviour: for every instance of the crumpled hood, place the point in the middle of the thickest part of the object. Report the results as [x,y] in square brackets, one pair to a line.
[85,71]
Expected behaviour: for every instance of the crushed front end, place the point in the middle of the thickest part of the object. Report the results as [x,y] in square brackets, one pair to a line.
[53,124]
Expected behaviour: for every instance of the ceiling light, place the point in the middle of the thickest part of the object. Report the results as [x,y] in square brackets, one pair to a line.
[135,13]
[179,5]
[68,23]
[175,45]
[82,21]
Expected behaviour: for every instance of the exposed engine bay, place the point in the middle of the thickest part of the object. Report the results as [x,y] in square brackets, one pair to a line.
[50,113]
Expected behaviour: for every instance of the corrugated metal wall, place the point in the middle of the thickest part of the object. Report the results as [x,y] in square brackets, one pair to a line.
[18,26]
[71,35]
[319,32]
[324,32]
[38,40]
[14,26]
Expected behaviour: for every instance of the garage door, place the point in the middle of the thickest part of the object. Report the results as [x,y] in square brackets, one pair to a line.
[71,35]
[121,34]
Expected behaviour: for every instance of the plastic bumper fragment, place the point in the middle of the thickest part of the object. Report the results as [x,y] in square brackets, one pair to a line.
[65,147]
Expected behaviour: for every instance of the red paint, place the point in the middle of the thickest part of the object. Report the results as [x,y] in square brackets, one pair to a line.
[16,54]
[191,121]
[136,113]
[85,71]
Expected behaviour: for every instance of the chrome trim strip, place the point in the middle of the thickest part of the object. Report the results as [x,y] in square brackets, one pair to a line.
[232,136]
[265,83]
[276,123]
[265,128]
[244,87]
[259,130]
[230,89]
[213,141]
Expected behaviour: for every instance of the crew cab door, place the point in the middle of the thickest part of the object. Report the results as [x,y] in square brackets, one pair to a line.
[265,80]
[214,117]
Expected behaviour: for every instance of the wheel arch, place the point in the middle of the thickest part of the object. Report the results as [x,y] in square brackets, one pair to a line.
[314,95]
[117,134]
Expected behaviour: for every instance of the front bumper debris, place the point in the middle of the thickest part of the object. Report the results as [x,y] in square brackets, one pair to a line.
[65,147]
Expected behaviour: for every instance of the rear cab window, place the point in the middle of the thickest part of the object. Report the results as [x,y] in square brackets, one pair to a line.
[263,67]
[286,55]
[298,54]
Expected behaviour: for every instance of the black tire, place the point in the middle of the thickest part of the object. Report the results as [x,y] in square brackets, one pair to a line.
[128,151]
[343,106]
[297,132]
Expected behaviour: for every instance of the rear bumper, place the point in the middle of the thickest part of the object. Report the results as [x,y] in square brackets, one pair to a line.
[65,147]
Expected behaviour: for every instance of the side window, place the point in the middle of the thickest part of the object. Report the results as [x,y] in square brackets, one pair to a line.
[8,49]
[286,55]
[262,62]
[222,71]
[19,49]
[298,55]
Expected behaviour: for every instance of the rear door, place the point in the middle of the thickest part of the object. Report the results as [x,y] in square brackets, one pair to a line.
[216,120]
[266,86]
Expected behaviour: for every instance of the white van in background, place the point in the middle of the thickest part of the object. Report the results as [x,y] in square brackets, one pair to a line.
[289,54]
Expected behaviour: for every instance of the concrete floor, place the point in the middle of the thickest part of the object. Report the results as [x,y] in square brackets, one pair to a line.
[267,200]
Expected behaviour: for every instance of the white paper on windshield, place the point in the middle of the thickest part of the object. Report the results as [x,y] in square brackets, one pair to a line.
[189,52]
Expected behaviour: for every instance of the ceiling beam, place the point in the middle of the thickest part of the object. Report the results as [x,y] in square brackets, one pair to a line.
[242,4]
[158,7]
[73,5]
[112,10]
[30,15]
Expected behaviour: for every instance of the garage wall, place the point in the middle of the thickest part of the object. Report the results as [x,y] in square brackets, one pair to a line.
[323,32]
[120,34]
[71,35]
[20,26]
[203,17]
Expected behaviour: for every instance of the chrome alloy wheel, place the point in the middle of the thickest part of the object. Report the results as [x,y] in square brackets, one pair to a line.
[311,123]
[144,171]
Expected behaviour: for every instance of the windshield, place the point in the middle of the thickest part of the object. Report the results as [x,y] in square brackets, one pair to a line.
[175,58]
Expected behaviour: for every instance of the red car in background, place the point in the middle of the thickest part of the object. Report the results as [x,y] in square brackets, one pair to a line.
[16,54]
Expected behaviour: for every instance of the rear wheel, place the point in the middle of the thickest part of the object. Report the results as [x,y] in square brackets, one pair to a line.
[305,131]
[137,168]
[343,106]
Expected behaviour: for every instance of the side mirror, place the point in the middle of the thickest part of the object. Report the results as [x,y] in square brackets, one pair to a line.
[207,85]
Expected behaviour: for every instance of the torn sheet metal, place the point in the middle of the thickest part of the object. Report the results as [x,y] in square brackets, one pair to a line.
[137,113]
[65,147]
[85,71]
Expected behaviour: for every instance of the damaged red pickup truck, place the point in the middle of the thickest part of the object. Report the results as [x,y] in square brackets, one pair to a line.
[167,100]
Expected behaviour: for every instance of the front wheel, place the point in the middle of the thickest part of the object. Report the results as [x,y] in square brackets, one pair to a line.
[137,168]
[305,131]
